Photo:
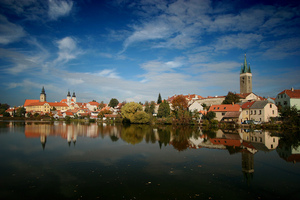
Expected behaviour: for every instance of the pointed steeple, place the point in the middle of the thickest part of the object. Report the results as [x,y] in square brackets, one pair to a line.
[43,90]
[245,67]
[73,94]
[68,95]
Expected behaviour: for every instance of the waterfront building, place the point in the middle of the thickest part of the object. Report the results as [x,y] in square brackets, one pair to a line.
[288,98]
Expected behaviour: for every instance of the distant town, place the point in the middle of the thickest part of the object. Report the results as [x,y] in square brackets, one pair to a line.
[247,106]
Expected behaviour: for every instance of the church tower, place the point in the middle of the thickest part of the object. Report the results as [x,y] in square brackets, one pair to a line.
[245,78]
[43,95]
[74,97]
[68,98]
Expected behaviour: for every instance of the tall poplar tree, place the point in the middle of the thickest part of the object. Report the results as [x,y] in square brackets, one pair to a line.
[159,99]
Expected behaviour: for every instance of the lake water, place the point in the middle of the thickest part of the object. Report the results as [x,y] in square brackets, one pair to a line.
[90,161]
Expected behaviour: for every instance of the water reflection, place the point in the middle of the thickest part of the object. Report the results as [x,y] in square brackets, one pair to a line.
[180,137]
[112,156]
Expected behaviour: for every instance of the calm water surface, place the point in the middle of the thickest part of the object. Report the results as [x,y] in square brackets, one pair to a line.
[90,161]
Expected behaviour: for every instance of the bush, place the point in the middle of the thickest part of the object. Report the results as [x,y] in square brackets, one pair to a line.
[141,117]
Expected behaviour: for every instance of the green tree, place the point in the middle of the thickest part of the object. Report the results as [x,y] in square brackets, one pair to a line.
[231,98]
[159,99]
[3,108]
[209,116]
[290,116]
[147,107]
[152,107]
[163,109]
[6,114]
[21,111]
[113,102]
[129,109]
[101,105]
[140,117]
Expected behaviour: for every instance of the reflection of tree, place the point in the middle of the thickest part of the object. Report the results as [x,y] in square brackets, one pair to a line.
[150,137]
[290,138]
[133,134]
[288,147]
[114,138]
[210,132]
[164,136]
[181,136]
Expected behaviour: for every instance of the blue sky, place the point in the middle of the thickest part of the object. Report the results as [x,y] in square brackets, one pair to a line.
[134,50]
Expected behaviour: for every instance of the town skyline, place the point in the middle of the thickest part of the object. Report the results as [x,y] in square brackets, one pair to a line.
[134,50]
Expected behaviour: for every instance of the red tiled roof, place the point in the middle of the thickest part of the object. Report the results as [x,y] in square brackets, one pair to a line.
[57,104]
[247,105]
[93,103]
[30,101]
[291,93]
[225,108]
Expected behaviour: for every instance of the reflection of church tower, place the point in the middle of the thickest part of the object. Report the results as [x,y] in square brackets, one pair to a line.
[74,97]
[43,95]
[248,165]
[245,78]
[43,141]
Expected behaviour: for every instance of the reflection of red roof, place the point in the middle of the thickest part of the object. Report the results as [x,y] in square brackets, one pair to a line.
[249,145]
[225,142]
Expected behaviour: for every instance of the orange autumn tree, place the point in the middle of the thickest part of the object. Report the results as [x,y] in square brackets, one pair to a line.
[179,103]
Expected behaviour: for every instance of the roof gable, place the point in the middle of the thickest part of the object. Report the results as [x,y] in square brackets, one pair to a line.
[291,93]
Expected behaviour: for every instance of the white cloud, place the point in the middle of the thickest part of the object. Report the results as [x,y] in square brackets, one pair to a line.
[159,66]
[240,41]
[59,8]
[68,50]
[10,32]
[109,73]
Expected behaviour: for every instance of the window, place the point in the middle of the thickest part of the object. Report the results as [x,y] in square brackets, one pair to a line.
[254,112]
[246,112]
[251,112]
[285,103]
[260,112]
[273,112]
[223,113]
[270,105]
[273,139]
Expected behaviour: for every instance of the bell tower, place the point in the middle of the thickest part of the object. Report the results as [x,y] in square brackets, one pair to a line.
[43,95]
[245,78]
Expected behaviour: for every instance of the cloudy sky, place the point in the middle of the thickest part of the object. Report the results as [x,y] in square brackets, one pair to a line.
[134,50]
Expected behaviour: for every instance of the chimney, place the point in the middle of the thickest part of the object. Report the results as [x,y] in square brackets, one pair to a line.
[233,103]
[292,89]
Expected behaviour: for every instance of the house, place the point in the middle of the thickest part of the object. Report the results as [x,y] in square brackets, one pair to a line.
[233,110]
[262,111]
[246,110]
[210,100]
[288,98]
[244,97]
[92,105]
[195,106]
[11,111]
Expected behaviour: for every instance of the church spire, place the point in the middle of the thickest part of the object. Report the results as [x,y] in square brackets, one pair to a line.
[245,67]
[43,90]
